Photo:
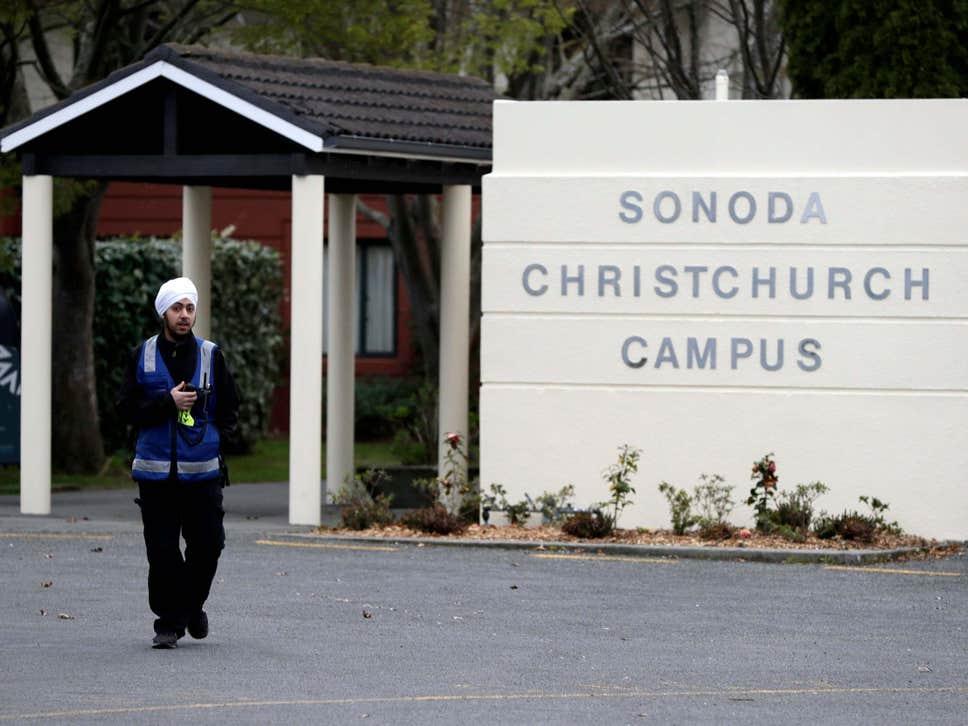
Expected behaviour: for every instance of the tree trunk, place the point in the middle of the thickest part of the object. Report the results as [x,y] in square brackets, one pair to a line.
[76,443]
[421,287]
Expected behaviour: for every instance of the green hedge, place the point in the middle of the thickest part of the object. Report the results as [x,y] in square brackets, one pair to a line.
[246,292]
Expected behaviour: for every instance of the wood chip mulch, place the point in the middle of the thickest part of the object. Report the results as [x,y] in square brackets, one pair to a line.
[928,548]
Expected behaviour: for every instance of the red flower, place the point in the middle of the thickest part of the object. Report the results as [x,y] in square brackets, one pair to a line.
[453,438]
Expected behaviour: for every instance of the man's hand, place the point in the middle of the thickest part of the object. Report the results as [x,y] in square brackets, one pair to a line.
[184,400]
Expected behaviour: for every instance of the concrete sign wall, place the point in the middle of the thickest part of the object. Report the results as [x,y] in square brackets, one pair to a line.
[713,281]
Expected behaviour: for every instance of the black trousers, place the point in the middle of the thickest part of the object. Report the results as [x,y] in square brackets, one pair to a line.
[179,585]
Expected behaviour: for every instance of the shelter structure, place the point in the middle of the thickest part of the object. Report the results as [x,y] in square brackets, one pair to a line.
[200,118]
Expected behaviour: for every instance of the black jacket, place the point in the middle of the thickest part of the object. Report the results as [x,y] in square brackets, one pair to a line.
[180,357]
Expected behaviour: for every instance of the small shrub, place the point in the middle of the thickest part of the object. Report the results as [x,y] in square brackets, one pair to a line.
[795,509]
[619,478]
[470,505]
[363,514]
[878,508]
[849,526]
[497,500]
[713,500]
[708,506]
[789,533]
[519,512]
[555,508]
[588,525]
[716,530]
[680,506]
[852,525]
[433,520]
[362,507]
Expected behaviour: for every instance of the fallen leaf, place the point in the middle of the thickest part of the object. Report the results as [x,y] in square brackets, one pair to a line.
[65,616]
[282,573]
[43,612]
[47,583]
[924,669]
[514,587]
[49,556]
[367,614]
[98,549]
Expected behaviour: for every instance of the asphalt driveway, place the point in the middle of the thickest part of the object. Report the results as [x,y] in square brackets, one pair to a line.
[326,632]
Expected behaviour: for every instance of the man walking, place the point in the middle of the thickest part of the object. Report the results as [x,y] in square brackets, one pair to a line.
[179,395]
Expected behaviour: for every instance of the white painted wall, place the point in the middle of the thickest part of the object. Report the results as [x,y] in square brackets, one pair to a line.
[572,275]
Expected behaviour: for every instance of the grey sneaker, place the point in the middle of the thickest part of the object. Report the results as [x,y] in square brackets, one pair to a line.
[198,625]
[165,640]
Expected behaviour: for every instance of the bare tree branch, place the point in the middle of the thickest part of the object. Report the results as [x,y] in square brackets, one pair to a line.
[162,33]
[48,70]
[372,214]
[204,30]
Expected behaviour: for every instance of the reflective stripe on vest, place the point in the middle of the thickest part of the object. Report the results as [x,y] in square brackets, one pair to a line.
[151,345]
[206,376]
[184,467]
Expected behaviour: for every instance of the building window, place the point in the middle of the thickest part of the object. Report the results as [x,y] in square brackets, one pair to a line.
[376,288]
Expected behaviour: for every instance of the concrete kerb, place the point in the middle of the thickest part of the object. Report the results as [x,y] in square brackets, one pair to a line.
[606,549]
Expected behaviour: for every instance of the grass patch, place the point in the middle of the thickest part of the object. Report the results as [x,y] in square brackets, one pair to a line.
[115,474]
[268,462]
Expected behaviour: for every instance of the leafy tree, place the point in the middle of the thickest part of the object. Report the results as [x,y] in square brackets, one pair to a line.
[361,31]
[877,48]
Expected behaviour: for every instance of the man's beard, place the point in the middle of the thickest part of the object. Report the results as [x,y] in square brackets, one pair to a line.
[173,331]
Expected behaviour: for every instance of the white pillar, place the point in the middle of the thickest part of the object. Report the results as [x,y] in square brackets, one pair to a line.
[455,297]
[306,357]
[340,359]
[35,344]
[197,251]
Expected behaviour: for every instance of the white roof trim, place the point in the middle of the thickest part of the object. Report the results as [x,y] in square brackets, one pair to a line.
[162,69]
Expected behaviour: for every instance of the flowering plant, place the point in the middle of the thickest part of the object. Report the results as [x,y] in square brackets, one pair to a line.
[456,458]
[764,489]
[619,478]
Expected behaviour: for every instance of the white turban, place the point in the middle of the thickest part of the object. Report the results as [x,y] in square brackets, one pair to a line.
[173,291]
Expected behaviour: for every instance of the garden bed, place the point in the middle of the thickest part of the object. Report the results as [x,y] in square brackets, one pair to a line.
[756,540]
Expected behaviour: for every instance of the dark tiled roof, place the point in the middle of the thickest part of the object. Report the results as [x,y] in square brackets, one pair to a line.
[336,99]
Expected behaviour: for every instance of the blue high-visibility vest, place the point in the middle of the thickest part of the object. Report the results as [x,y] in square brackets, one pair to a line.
[192,450]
